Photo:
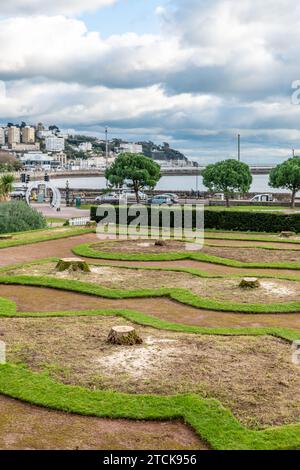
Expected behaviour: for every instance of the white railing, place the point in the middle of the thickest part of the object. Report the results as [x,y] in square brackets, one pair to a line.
[79,221]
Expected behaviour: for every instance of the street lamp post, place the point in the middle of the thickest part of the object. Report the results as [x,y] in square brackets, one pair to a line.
[239,147]
[106,151]
[67,194]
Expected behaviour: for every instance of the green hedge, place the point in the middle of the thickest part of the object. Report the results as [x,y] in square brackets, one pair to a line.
[228,220]
[17,216]
[252,221]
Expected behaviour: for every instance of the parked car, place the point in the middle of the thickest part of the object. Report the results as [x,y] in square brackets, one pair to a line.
[130,196]
[174,198]
[161,201]
[110,198]
[18,194]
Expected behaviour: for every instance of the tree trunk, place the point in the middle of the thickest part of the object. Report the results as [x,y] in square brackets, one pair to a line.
[227,200]
[136,190]
[293,198]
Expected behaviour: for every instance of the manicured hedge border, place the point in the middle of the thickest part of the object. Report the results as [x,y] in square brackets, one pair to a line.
[87,250]
[225,220]
[183,296]
[208,417]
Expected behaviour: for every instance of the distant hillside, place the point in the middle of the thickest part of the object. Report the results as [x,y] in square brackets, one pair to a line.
[150,149]
[162,152]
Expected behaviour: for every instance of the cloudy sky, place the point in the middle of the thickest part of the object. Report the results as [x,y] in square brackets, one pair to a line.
[192,72]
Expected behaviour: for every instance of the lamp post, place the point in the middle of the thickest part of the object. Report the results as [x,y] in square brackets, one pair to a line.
[67,194]
[239,147]
[106,152]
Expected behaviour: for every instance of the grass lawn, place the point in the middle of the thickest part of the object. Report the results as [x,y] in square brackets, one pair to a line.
[236,386]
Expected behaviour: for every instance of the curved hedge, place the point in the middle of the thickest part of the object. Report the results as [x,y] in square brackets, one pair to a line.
[87,250]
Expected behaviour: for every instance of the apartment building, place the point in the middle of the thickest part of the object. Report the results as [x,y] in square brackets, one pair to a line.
[54,144]
[28,135]
[14,135]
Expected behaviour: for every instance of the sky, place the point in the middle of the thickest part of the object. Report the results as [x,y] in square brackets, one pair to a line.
[194,73]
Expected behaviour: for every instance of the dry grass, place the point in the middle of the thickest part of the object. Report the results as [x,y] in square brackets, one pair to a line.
[270,291]
[254,376]
[254,255]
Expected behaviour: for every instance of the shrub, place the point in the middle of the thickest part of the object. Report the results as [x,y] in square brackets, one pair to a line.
[225,220]
[252,221]
[17,216]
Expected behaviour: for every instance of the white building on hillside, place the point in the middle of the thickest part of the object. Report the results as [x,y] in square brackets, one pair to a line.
[85,146]
[43,133]
[55,144]
[131,148]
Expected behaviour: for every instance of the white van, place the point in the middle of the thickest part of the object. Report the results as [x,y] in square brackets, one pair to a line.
[263,198]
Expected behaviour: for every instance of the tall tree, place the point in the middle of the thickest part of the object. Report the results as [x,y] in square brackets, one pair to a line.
[287,176]
[228,177]
[136,170]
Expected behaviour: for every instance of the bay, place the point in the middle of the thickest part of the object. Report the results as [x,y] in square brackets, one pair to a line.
[167,183]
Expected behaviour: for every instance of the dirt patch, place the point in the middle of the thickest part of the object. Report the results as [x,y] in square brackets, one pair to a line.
[33,299]
[254,376]
[270,291]
[61,248]
[142,246]
[253,255]
[26,427]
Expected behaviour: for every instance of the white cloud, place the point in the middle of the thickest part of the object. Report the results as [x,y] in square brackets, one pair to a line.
[63,49]
[51,7]
[216,68]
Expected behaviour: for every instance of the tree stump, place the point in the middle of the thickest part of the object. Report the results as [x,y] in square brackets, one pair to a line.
[250,283]
[124,336]
[160,243]
[73,264]
[296,353]
[287,234]
[2,352]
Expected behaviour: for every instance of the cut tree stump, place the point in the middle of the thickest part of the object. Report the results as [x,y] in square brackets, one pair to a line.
[73,264]
[296,353]
[249,283]
[160,243]
[124,335]
[287,234]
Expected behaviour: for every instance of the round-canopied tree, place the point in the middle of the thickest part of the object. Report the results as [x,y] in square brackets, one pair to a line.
[138,171]
[228,177]
[287,176]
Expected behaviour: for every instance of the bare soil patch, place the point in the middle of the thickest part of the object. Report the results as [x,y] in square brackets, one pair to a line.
[33,299]
[254,376]
[52,248]
[259,255]
[270,290]
[142,246]
[26,427]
